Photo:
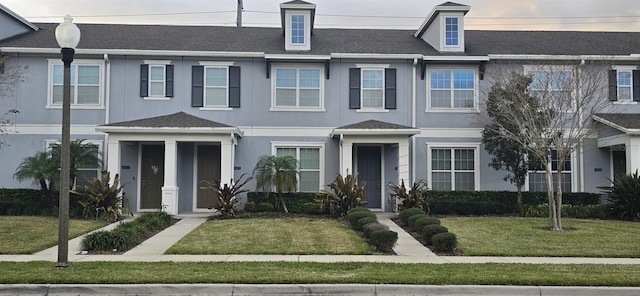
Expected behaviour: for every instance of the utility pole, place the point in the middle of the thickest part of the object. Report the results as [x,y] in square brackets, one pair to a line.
[239,16]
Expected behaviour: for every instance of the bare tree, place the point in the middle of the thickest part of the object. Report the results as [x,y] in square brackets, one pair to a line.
[554,125]
[10,78]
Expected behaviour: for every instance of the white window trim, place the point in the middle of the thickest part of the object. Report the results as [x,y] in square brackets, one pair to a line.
[443,32]
[204,89]
[444,145]
[574,177]
[319,145]
[151,63]
[476,84]
[372,109]
[102,86]
[307,30]
[49,142]
[531,68]
[274,67]
[629,69]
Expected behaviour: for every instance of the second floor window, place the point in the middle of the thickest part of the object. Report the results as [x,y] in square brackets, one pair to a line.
[214,86]
[86,84]
[299,88]
[451,31]
[156,80]
[624,84]
[452,89]
[297,29]
[372,88]
[552,86]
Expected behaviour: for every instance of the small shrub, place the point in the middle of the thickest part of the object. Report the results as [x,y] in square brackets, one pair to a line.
[346,193]
[227,202]
[250,207]
[624,197]
[371,227]
[412,220]
[404,215]
[420,223]
[365,221]
[356,209]
[265,207]
[101,198]
[354,217]
[430,230]
[312,208]
[383,240]
[444,242]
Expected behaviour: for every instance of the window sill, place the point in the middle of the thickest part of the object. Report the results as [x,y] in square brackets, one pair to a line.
[452,110]
[79,107]
[625,102]
[156,98]
[372,110]
[276,109]
[216,109]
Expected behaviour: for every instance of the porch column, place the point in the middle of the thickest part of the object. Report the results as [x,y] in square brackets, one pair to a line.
[403,162]
[346,153]
[170,188]
[113,156]
[226,161]
[632,148]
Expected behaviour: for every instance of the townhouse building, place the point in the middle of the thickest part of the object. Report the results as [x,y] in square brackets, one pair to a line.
[168,106]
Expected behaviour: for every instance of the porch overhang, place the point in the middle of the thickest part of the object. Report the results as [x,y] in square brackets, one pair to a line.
[170,130]
[626,123]
[629,125]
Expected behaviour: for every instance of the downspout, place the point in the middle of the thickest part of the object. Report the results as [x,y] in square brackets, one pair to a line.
[107,87]
[582,170]
[414,96]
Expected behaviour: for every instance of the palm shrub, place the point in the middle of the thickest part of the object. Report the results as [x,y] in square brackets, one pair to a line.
[404,215]
[43,171]
[624,197]
[430,230]
[279,173]
[100,199]
[412,198]
[421,222]
[346,193]
[227,203]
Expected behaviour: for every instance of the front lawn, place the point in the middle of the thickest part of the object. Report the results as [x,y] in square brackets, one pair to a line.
[514,236]
[272,235]
[319,273]
[30,234]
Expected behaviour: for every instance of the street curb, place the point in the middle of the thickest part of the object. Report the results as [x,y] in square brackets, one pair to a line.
[311,289]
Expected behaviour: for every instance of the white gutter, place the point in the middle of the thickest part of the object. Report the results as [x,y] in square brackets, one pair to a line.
[138,52]
[296,57]
[456,58]
[631,57]
[339,55]
[375,132]
[414,112]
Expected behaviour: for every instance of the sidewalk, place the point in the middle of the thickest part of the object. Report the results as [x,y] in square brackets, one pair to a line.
[408,250]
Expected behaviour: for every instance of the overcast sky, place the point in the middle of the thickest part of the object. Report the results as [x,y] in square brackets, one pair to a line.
[581,15]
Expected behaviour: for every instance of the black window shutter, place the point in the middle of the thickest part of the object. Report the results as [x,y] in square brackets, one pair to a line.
[144,80]
[390,88]
[168,85]
[354,88]
[234,87]
[636,85]
[197,86]
[613,85]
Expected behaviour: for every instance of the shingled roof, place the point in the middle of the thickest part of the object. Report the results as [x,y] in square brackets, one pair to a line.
[176,120]
[374,124]
[327,41]
[624,122]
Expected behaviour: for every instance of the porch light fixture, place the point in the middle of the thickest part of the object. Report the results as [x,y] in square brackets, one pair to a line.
[68,37]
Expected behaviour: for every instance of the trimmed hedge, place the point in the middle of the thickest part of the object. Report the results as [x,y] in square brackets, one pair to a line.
[384,240]
[371,227]
[444,242]
[419,224]
[295,200]
[20,201]
[430,230]
[496,202]
[354,218]
[366,221]
[128,234]
[404,215]
[411,221]
[568,211]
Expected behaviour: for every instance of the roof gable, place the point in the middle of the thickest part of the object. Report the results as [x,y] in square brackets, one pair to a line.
[12,24]
[625,122]
[176,120]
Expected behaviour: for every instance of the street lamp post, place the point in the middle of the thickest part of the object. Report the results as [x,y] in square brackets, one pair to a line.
[68,37]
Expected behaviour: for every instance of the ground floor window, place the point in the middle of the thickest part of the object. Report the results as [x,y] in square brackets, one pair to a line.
[86,155]
[453,169]
[309,165]
[537,176]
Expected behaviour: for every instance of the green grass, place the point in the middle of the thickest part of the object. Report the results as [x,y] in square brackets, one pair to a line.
[277,235]
[30,234]
[328,273]
[512,236]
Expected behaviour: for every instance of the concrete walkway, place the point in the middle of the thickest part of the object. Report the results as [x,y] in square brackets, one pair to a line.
[408,250]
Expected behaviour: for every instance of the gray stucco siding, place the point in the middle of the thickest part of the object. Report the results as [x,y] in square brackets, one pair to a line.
[10,27]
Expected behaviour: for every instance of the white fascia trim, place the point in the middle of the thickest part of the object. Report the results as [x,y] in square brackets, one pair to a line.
[296,57]
[18,17]
[627,131]
[169,130]
[298,6]
[50,129]
[375,132]
[229,54]
[457,58]
[270,131]
[215,63]
[157,62]
[450,132]
[375,56]
[434,12]
[373,66]
[613,141]
[632,57]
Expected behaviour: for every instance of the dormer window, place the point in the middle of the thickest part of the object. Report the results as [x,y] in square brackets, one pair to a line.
[297,29]
[451,31]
